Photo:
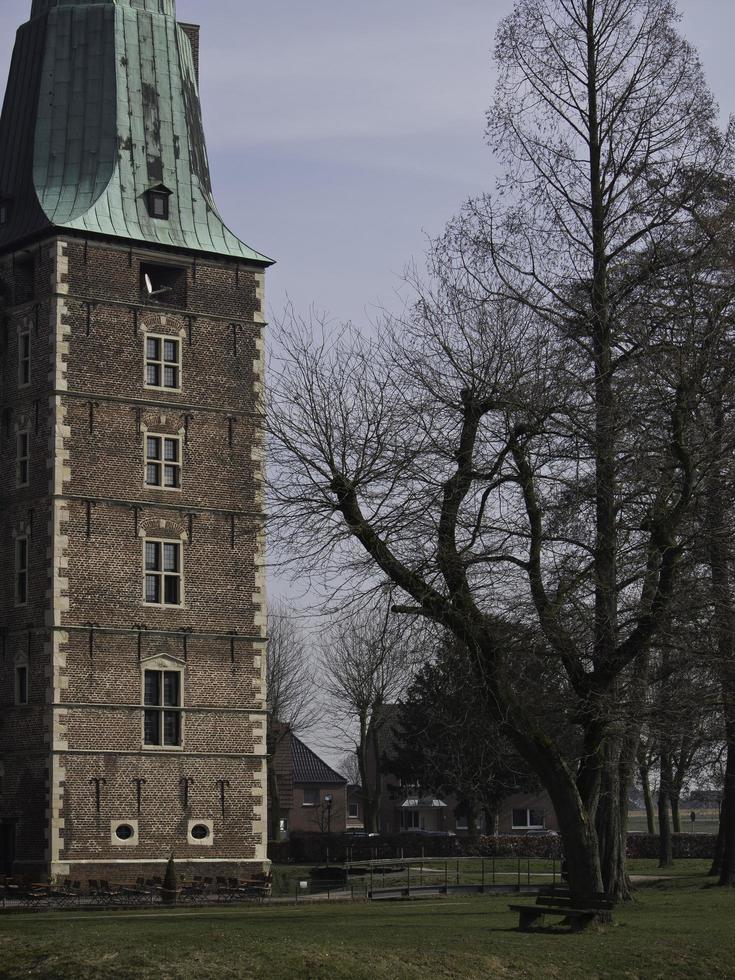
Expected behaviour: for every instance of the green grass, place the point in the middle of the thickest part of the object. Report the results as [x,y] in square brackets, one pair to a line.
[707,822]
[680,928]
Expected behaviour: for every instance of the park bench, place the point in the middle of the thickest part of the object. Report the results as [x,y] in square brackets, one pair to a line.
[577,912]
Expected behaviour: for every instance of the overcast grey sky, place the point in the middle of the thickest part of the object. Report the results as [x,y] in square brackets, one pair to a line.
[341,132]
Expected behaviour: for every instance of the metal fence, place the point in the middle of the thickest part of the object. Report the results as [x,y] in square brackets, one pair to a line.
[412,877]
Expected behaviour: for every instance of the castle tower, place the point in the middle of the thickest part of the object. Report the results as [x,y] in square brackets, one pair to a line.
[132,596]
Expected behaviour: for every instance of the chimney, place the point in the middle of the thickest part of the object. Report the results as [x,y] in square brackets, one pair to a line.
[192,32]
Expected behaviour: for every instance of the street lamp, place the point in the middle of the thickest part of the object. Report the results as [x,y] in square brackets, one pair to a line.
[328,803]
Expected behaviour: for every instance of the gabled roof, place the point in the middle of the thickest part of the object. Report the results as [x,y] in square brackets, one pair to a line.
[309,768]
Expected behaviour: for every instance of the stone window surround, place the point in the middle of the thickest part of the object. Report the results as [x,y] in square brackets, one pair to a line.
[160,540]
[133,841]
[25,355]
[21,664]
[164,664]
[207,841]
[179,438]
[22,454]
[24,535]
[157,334]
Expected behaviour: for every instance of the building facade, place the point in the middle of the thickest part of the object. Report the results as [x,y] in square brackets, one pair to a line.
[132,590]
[312,796]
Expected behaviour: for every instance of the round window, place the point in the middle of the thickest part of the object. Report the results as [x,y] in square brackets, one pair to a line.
[125,832]
[200,831]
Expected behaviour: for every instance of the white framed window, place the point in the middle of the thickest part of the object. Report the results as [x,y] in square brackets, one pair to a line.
[163,362]
[22,458]
[164,573]
[410,820]
[24,356]
[528,819]
[21,684]
[311,796]
[21,571]
[163,461]
[162,699]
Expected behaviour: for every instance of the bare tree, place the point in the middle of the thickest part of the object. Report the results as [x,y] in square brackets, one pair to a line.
[522,444]
[365,663]
[350,768]
[291,695]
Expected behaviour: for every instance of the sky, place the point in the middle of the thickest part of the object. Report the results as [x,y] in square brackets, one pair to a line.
[342,133]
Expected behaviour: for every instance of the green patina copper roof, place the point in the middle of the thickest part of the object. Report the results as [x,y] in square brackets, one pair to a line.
[102,105]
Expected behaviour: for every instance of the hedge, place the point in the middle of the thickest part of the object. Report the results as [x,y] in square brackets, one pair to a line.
[318,848]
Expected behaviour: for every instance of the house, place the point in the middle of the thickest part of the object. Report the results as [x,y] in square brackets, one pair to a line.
[312,796]
[406,807]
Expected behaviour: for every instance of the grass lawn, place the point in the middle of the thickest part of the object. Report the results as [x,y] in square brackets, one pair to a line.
[680,928]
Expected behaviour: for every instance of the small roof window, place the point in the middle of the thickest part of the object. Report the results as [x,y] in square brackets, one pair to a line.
[158,202]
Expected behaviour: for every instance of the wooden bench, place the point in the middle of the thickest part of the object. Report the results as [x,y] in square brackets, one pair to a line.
[575,911]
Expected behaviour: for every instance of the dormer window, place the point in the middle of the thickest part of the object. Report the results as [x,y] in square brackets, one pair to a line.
[158,202]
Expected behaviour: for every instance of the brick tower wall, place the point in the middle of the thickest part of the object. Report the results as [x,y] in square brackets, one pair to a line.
[94,512]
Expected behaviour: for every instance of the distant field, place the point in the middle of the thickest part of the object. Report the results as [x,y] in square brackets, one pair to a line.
[707,822]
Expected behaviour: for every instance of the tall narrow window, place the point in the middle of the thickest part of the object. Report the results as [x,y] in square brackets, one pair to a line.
[162,699]
[163,362]
[24,357]
[163,573]
[21,685]
[4,212]
[21,571]
[23,457]
[163,462]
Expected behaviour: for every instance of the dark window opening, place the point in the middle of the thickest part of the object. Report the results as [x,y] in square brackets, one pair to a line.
[21,685]
[311,796]
[165,284]
[158,204]
[24,277]
[4,212]
[200,831]
[125,832]
[162,699]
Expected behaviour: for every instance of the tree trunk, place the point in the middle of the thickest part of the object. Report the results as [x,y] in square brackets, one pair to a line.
[675,814]
[576,826]
[666,844]
[363,762]
[607,821]
[727,813]
[720,549]
[274,801]
[647,795]
[716,869]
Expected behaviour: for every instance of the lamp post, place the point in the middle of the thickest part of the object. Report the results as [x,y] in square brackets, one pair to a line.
[328,804]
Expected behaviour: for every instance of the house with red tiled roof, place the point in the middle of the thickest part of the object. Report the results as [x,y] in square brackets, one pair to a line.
[312,795]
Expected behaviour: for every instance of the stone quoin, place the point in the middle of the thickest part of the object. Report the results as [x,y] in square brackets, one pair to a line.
[133,641]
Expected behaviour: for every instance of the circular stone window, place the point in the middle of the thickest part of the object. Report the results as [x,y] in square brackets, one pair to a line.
[200,831]
[125,832]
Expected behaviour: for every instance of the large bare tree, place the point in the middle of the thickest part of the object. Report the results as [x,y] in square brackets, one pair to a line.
[523,444]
